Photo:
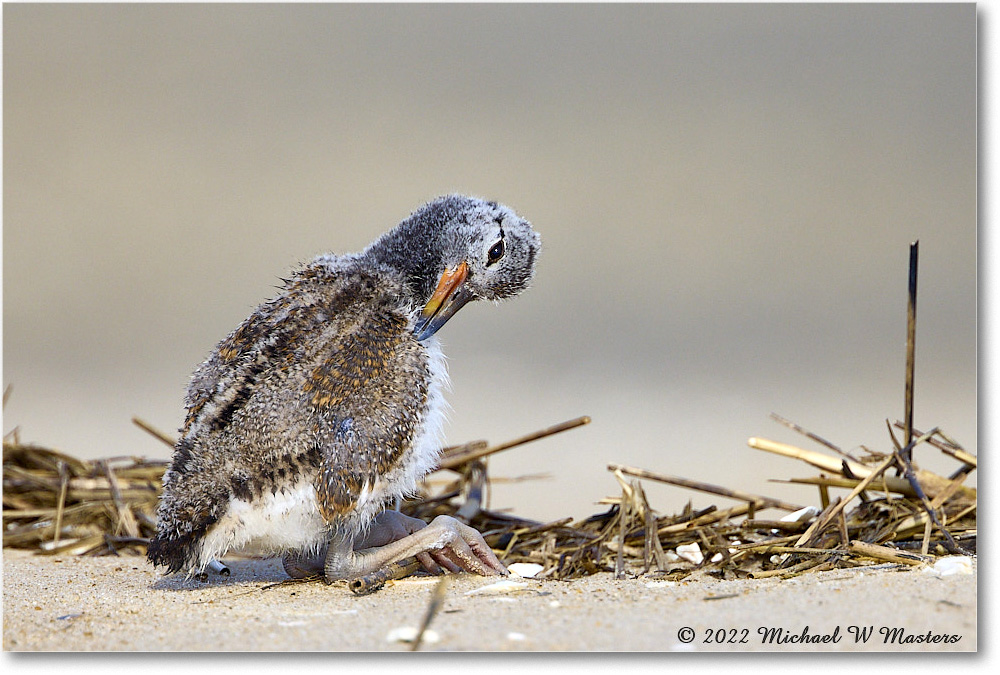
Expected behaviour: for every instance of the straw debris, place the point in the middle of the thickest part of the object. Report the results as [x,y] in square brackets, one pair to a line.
[892,511]
[56,503]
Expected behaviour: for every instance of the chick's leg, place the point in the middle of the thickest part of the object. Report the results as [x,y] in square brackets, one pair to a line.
[393,537]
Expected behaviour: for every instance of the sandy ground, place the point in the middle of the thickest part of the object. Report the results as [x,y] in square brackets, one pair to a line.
[121,604]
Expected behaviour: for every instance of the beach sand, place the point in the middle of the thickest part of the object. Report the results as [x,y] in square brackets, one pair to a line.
[121,604]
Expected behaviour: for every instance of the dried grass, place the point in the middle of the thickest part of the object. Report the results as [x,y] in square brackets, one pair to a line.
[55,503]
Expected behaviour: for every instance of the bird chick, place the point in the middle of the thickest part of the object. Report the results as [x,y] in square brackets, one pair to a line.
[327,404]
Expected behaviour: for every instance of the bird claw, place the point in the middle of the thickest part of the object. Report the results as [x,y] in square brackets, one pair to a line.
[456,547]
[445,545]
[464,549]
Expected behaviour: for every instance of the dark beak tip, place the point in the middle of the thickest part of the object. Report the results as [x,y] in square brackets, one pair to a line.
[423,330]
[427,325]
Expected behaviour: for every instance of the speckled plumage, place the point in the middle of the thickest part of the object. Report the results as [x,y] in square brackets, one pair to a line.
[327,402]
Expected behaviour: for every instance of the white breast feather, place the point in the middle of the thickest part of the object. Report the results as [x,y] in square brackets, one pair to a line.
[272,524]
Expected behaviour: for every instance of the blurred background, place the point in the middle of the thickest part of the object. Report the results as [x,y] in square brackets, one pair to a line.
[726,196]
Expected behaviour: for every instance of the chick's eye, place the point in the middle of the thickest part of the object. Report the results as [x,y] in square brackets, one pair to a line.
[495,252]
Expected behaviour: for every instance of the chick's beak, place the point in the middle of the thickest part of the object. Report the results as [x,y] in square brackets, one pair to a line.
[449,297]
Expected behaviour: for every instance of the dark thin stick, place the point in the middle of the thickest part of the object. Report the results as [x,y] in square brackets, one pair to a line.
[948,446]
[154,432]
[437,599]
[705,487]
[808,434]
[804,550]
[290,582]
[950,543]
[911,339]
[902,457]
[376,580]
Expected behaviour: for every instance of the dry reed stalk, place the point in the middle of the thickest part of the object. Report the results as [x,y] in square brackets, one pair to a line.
[739,495]
[769,543]
[911,340]
[790,571]
[810,435]
[817,459]
[125,519]
[631,533]
[167,440]
[945,445]
[804,550]
[887,554]
[899,487]
[834,509]
[708,519]
[456,459]
[902,457]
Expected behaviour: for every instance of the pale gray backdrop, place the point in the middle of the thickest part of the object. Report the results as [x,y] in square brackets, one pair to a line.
[725,193]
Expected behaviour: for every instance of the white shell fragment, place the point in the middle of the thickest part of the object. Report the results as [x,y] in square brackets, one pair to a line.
[525,570]
[949,565]
[691,552]
[505,586]
[660,584]
[801,515]
[516,636]
[409,634]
